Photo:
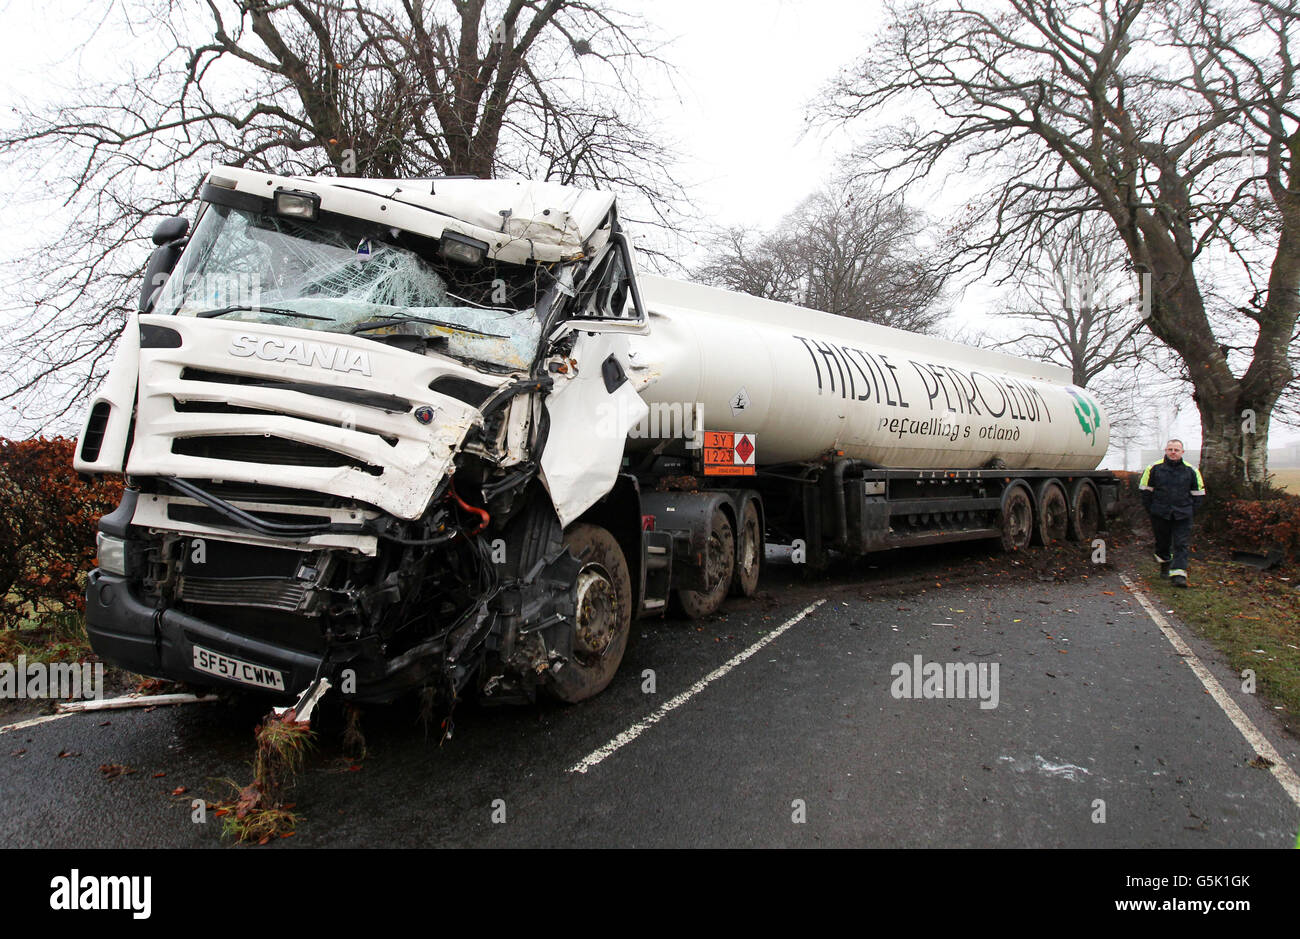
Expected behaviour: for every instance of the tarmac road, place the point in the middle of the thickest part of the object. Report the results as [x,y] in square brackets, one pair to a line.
[1101,736]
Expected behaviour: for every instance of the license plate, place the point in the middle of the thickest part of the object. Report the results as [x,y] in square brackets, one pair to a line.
[214,663]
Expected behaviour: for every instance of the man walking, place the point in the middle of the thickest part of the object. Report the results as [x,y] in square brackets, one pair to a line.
[1171,491]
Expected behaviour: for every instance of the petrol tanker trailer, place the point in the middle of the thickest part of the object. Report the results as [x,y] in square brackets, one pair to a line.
[442,436]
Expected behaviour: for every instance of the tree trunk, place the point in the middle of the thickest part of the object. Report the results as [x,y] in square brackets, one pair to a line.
[1234,448]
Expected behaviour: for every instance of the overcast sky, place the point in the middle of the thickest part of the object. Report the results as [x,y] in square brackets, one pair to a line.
[745,74]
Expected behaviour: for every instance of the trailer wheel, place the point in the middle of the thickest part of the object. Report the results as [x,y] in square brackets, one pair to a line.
[604,615]
[1085,511]
[1017,519]
[749,553]
[1053,521]
[719,562]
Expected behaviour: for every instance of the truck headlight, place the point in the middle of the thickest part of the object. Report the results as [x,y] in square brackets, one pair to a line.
[291,203]
[457,247]
[111,554]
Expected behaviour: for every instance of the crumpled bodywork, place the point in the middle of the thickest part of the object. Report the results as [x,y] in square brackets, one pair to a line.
[589,428]
[389,457]
[520,221]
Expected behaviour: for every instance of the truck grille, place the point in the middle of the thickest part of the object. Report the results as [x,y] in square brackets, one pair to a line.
[249,492]
[271,450]
[272,593]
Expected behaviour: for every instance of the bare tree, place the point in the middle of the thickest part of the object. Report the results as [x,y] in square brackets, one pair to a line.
[536,88]
[1074,306]
[845,251]
[1178,121]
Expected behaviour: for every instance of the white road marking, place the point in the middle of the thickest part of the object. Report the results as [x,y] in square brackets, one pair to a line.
[1281,770]
[655,717]
[34,721]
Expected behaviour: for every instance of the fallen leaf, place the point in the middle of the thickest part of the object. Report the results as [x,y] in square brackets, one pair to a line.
[179,791]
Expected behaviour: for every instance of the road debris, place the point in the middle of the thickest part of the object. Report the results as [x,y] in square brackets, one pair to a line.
[132,701]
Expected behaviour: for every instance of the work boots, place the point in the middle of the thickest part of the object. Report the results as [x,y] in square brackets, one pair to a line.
[1179,580]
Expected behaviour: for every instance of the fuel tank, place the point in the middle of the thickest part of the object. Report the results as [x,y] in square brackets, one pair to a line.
[808,384]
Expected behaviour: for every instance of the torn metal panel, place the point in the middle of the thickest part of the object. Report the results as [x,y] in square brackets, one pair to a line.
[589,428]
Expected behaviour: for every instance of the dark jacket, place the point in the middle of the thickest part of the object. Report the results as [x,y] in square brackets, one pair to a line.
[1171,489]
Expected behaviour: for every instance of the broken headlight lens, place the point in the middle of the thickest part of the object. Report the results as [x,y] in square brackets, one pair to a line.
[111,554]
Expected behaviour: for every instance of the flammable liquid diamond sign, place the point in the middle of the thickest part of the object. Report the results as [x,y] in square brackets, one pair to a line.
[729,454]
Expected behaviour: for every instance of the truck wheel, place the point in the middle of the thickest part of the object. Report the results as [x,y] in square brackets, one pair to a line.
[1053,520]
[719,561]
[604,615]
[1085,511]
[1017,519]
[749,553]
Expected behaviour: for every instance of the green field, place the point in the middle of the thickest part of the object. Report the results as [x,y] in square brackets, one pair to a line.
[1288,479]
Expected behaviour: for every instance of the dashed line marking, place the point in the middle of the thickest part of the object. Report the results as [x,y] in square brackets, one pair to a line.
[665,709]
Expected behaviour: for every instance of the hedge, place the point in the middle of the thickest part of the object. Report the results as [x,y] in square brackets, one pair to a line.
[48,519]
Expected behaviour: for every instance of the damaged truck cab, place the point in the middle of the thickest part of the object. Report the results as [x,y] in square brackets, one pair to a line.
[355,421]
[440,436]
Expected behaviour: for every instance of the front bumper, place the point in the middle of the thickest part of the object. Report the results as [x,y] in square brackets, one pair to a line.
[130,634]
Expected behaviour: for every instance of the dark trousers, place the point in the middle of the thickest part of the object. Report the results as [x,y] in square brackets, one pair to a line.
[1172,535]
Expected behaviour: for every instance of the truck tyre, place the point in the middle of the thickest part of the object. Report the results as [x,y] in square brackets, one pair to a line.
[749,553]
[719,562]
[1016,519]
[1053,519]
[1085,511]
[603,619]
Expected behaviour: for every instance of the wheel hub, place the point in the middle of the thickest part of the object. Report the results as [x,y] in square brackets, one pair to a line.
[597,612]
[747,557]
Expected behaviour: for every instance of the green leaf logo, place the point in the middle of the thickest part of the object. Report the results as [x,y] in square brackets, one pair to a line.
[1086,410]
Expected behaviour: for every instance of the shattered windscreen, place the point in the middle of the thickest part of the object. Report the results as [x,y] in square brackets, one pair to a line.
[346,275]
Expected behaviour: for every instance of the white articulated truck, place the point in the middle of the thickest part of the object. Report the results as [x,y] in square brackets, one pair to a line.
[440,435]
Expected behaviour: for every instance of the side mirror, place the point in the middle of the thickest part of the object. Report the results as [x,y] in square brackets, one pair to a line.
[168,237]
[169,229]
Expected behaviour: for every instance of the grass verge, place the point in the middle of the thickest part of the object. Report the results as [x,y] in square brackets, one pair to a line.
[1252,616]
[47,637]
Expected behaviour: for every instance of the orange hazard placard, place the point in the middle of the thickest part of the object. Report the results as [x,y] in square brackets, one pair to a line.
[729,454]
